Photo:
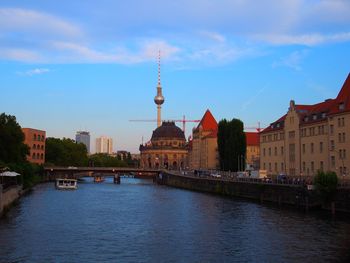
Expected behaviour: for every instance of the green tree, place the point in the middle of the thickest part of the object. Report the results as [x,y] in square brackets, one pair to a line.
[12,147]
[65,152]
[104,160]
[326,184]
[231,145]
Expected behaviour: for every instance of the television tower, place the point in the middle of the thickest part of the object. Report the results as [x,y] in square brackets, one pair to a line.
[159,99]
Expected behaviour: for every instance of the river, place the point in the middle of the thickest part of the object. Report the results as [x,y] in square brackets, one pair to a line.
[138,221]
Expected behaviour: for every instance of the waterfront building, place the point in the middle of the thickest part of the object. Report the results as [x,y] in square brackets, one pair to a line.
[203,146]
[104,145]
[252,150]
[166,149]
[84,138]
[309,138]
[35,139]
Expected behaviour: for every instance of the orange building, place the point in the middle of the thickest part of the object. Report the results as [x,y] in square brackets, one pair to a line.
[253,149]
[35,139]
[309,138]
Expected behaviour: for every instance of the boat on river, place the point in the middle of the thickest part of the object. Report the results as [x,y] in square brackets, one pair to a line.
[98,179]
[66,184]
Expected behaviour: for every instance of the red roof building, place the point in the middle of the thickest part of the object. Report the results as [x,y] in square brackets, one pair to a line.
[309,138]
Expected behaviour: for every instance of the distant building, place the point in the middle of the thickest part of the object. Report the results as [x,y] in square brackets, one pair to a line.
[122,155]
[203,147]
[167,148]
[104,145]
[309,138]
[84,138]
[253,149]
[35,139]
[203,153]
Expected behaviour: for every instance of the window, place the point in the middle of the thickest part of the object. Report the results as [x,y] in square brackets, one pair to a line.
[303,148]
[34,137]
[34,146]
[39,137]
[343,136]
[282,136]
[264,166]
[275,137]
[42,156]
[333,161]
[341,106]
[33,156]
[275,151]
[292,134]
[264,152]
[282,150]
[304,166]
[269,151]
[312,148]
[321,165]
[292,152]
[339,137]
[332,145]
[331,129]
[314,117]
[275,167]
[323,115]
[321,147]
[312,167]
[264,138]
[282,167]
[340,154]
[312,131]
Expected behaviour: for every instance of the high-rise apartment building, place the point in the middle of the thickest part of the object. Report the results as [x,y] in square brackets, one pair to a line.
[84,138]
[35,139]
[309,138]
[104,145]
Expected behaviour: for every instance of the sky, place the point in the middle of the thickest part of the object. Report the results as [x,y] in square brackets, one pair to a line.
[92,65]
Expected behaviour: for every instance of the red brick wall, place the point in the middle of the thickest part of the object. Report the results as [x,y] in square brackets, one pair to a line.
[35,139]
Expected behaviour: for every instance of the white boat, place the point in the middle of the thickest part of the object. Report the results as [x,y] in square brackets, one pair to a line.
[66,184]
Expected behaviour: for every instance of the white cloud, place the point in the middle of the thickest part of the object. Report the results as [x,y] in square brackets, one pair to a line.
[307,39]
[292,61]
[29,21]
[36,71]
[19,54]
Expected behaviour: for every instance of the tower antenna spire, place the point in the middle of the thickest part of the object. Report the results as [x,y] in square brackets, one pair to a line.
[159,68]
[159,99]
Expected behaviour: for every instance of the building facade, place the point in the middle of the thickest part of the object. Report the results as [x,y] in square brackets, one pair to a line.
[203,150]
[84,138]
[167,148]
[104,145]
[35,139]
[252,150]
[309,138]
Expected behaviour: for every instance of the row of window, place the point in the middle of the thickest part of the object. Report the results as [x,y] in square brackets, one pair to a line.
[305,169]
[276,137]
[275,151]
[38,156]
[39,147]
[165,156]
[38,137]
[175,143]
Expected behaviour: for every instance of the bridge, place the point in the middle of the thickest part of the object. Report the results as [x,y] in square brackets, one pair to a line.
[52,173]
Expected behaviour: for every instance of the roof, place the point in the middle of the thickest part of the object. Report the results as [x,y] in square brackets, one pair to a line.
[208,122]
[252,138]
[318,112]
[169,130]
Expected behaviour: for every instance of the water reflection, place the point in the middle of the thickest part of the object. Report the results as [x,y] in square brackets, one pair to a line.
[137,221]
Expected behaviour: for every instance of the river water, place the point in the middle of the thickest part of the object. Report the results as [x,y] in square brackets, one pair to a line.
[138,221]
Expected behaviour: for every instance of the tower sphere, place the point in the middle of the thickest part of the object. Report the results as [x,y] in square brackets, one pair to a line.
[159,99]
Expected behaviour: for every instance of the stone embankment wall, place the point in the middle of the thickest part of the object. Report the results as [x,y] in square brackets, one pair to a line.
[294,195]
[8,196]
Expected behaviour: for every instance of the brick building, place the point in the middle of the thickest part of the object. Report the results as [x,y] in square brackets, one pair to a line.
[35,139]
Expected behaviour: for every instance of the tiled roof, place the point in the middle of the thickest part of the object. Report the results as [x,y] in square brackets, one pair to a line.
[252,138]
[318,112]
[208,122]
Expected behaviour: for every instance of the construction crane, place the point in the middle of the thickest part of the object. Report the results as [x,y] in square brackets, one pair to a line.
[258,129]
[183,121]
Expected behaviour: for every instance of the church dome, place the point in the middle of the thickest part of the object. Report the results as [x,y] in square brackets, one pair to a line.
[168,130]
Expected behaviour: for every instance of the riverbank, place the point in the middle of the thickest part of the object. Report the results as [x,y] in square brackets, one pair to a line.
[281,194]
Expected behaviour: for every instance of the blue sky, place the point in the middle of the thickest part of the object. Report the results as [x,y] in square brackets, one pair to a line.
[92,65]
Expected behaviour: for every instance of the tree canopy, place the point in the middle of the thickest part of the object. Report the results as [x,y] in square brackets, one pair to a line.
[231,145]
[326,184]
[12,147]
[65,152]
[104,160]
